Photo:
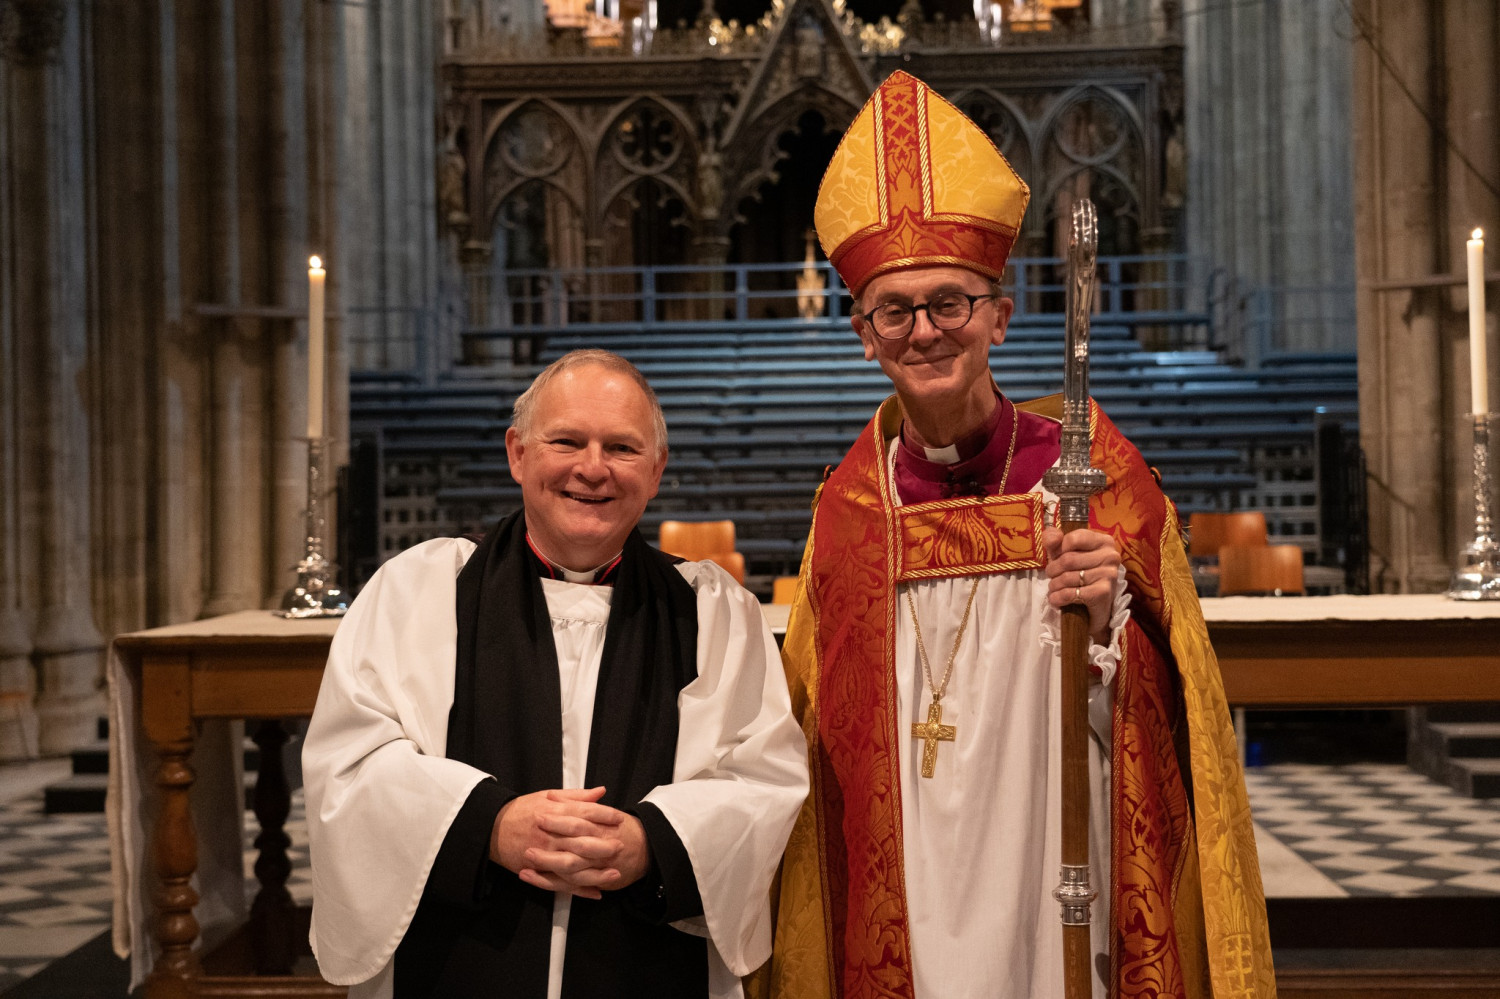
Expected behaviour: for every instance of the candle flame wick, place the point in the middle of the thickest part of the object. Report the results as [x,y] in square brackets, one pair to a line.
[316,263]
[1478,234]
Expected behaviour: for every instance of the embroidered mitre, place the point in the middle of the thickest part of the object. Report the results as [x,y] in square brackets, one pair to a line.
[914,182]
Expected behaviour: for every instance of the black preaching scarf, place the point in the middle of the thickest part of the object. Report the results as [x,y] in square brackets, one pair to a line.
[507,720]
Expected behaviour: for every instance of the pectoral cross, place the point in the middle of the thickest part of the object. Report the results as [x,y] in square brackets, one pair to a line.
[931,732]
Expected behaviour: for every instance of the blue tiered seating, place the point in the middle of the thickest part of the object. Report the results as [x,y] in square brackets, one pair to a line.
[755,415]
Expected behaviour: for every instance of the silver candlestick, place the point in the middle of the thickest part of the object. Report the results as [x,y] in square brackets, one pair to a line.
[317,592]
[1478,573]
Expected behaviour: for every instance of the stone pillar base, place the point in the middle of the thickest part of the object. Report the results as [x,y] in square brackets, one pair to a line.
[69,660]
[68,723]
[20,729]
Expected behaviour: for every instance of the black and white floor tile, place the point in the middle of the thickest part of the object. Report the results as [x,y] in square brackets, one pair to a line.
[55,890]
[1353,830]
[1378,829]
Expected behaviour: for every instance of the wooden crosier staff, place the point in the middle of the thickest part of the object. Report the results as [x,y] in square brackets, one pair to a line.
[1074,480]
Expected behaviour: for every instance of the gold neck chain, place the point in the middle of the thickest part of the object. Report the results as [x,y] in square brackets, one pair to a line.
[937,690]
[933,731]
[1010,452]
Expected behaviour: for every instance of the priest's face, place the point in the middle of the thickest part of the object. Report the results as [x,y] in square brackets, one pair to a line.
[589,464]
[940,372]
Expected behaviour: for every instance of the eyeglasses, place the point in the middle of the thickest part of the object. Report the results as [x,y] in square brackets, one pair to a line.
[949,311]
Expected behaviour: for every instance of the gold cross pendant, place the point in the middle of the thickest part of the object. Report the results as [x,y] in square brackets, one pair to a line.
[931,731]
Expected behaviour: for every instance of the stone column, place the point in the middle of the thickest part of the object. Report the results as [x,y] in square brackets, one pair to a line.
[1469,174]
[18,721]
[126,69]
[178,487]
[389,213]
[1405,426]
[215,169]
[711,251]
[234,485]
[1270,176]
[156,169]
[1314,235]
[359,261]
[288,193]
[45,117]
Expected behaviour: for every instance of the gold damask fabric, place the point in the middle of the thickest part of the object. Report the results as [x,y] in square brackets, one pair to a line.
[1187,909]
[964,538]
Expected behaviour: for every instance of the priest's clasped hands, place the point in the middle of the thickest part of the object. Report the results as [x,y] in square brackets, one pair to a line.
[565,841]
[1082,568]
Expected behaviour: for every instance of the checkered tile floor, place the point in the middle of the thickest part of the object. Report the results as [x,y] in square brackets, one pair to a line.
[1372,829]
[1380,829]
[55,886]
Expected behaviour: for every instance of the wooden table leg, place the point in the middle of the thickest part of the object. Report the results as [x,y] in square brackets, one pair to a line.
[169,729]
[271,915]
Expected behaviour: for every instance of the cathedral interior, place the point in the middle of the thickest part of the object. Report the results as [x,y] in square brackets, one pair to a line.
[1282,325]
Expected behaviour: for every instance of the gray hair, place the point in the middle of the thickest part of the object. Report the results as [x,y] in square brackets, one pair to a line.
[522,411]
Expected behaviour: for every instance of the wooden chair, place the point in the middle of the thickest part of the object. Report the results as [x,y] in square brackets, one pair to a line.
[1261,569]
[696,539]
[704,539]
[1208,532]
[733,563]
[784,589]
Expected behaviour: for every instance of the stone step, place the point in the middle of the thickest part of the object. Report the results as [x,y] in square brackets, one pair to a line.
[1457,745]
[84,790]
[1483,712]
[1477,778]
[1466,739]
[78,793]
[92,758]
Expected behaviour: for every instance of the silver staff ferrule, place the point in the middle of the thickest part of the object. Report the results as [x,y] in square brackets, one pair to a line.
[1075,894]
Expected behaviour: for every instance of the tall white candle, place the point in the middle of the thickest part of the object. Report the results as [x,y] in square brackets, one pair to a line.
[1478,374]
[315,277]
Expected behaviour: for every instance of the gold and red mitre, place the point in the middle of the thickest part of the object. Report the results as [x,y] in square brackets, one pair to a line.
[914,182]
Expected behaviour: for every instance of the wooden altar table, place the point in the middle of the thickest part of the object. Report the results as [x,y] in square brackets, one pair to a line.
[1345,651]
[173,689]
[1355,651]
[173,692]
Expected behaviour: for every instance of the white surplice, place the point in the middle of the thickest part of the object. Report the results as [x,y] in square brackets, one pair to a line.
[381,795]
[982,835]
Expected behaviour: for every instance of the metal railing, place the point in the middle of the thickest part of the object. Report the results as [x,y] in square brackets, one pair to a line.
[1139,289]
[1160,297]
[1281,320]
[526,300]
[398,339]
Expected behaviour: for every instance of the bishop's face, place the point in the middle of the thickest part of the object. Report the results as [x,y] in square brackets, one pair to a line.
[936,371]
[589,465]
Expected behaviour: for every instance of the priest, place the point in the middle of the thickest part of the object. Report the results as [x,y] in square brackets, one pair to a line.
[555,762]
[922,647]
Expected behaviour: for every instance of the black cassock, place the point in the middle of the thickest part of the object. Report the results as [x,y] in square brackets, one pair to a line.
[481,931]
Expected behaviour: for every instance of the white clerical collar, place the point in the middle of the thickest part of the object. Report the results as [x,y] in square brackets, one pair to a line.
[594,575]
[942,455]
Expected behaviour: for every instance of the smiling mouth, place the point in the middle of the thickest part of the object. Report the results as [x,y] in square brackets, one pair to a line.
[593,500]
